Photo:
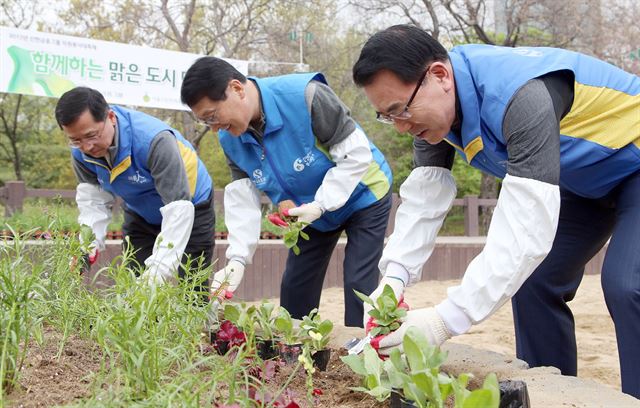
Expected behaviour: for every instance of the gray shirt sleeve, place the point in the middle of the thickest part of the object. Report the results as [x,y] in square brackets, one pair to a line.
[167,168]
[83,174]
[532,132]
[438,155]
[331,120]
[236,172]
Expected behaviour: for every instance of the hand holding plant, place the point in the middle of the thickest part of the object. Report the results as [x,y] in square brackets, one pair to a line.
[387,312]
[292,230]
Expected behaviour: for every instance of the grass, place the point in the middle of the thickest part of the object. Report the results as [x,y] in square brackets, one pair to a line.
[149,338]
[38,212]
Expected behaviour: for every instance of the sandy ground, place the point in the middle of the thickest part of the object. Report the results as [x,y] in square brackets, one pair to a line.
[597,349]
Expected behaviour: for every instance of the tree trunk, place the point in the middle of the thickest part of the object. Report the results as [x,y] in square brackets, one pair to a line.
[17,168]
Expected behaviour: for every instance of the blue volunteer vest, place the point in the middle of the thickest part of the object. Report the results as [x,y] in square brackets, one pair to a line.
[599,137]
[130,178]
[291,165]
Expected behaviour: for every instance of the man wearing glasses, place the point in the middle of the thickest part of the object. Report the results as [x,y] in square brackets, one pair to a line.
[292,138]
[167,192]
[563,132]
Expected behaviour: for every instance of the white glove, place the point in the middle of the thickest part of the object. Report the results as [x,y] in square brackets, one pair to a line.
[231,275]
[396,284]
[427,320]
[306,212]
[154,278]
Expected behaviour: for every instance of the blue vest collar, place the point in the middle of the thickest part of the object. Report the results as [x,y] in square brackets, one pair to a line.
[124,138]
[467,95]
[272,117]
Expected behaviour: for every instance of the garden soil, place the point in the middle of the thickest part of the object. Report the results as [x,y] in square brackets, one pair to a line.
[489,347]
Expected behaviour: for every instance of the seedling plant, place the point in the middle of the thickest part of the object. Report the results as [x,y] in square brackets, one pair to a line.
[417,377]
[387,313]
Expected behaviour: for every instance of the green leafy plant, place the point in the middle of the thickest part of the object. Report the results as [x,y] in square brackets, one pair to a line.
[387,316]
[265,319]
[368,365]
[86,237]
[285,327]
[417,376]
[20,287]
[293,233]
[318,331]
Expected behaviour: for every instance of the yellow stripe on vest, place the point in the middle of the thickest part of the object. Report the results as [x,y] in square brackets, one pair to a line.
[472,148]
[376,180]
[602,115]
[120,168]
[190,160]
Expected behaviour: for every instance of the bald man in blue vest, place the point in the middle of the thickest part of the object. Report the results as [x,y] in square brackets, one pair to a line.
[167,191]
[562,131]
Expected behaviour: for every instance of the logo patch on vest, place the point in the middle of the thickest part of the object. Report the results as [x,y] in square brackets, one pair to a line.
[258,177]
[527,52]
[138,178]
[301,162]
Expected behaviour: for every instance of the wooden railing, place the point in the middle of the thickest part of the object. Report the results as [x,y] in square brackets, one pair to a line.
[13,194]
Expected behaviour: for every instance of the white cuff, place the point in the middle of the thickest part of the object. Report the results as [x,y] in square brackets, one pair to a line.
[427,195]
[242,215]
[177,223]
[352,157]
[94,207]
[520,236]
[453,317]
[395,270]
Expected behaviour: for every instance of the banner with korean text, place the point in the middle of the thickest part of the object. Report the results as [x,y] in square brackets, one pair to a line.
[36,63]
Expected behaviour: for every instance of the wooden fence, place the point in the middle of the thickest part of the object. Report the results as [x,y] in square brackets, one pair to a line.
[13,194]
[449,260]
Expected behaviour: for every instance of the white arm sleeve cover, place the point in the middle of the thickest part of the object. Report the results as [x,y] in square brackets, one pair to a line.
[352,157]
[175,231]
[242,215]
[520,236]
[427,195]
[94,206]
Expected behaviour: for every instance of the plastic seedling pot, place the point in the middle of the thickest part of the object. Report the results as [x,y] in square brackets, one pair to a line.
[321,359]
[267,349]
[289,353]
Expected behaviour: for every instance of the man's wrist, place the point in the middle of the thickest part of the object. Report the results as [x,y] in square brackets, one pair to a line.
[396,271]
[454,318]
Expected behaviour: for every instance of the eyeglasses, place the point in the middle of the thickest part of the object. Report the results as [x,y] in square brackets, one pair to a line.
[209,120]
[390,118]
[77,143]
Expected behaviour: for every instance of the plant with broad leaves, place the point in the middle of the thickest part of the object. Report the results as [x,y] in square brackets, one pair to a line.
[265,319]
[416,374]
[375,382]
[230,333]
[285,328]
[387,313]
[318,331]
